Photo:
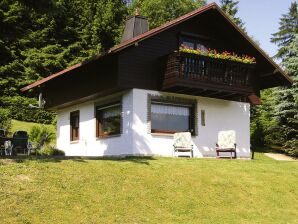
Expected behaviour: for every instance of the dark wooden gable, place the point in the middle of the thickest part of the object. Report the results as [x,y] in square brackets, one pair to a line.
[142,65]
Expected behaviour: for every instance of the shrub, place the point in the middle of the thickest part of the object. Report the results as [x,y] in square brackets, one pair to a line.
[5,119]
[257,134]
[291,147]
[51,151]
[41,136]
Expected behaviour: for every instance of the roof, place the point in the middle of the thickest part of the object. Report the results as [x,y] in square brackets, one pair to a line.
[155,31]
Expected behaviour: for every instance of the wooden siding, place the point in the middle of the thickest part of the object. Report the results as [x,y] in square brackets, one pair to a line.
[142,65]
[94,78]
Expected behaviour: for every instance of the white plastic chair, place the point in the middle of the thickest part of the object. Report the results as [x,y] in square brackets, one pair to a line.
[183,143]
[226,143]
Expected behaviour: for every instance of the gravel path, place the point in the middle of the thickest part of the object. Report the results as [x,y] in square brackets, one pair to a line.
[278,156]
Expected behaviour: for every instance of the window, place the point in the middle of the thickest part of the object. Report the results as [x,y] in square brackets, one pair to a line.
[171,118]
[188,44]
[74,126]
[192,43]
[108,120]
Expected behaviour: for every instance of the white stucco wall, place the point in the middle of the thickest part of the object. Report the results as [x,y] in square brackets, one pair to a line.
[136,140]
[89,145]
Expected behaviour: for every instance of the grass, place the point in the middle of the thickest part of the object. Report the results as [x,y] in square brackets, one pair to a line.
[148,190]
[26,126]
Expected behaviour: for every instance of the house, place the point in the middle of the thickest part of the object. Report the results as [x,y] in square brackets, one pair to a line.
[131,99]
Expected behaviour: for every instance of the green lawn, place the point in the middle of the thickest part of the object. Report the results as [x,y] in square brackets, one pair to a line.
[152,190]
[26,126]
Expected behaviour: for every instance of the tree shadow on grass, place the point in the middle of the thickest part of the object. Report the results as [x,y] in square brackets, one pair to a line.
[268,149]
[134,159]
[6,160]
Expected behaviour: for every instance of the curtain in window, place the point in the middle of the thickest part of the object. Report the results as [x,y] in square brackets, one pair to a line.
[111,112]
[169,109]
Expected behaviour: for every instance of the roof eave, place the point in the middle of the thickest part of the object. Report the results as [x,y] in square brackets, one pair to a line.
[41,81]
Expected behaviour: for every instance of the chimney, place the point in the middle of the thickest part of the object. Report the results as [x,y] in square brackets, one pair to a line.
[134,26]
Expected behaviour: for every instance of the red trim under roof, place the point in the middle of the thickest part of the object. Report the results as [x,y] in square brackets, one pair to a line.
[157,30]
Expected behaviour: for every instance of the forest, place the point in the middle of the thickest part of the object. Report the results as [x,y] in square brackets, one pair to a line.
[42,37]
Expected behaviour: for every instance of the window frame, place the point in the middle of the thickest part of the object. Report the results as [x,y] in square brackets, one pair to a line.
[73,115]
[99,133]
[192,104]
[194,40]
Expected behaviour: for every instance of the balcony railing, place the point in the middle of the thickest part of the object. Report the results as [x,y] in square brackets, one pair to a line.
[205,70]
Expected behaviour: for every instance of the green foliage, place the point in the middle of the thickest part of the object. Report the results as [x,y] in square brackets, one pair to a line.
[230,7]
[286,110]
[288,27]
[277,119]
[262,122]
[256,129]
[27,126]
[5,119]
[278,116]
[160,11]
[51,151]
[41,136]
[19,109]
[291,147]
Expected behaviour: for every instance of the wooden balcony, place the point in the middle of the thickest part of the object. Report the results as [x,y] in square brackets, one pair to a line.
[200,75]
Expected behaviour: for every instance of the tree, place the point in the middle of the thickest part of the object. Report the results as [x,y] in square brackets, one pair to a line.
[230,7]
[288,27]
[160,11]
[39,38]
[277,120]
[5,120]
[262,122]
[286,109]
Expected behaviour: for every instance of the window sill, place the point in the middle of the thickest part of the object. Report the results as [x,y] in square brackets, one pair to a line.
[162,134]
[75,142]
[167,134]
[107,136]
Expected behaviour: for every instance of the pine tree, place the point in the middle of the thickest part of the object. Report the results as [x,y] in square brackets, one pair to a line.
[286,100]
[39,38]
[5,119]
[262,122]
[230,7]
[288,27]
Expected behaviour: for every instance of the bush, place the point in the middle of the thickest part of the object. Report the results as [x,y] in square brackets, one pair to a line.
[5,119]
[257,134]
[51,151]
[41,136]
[291,147]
